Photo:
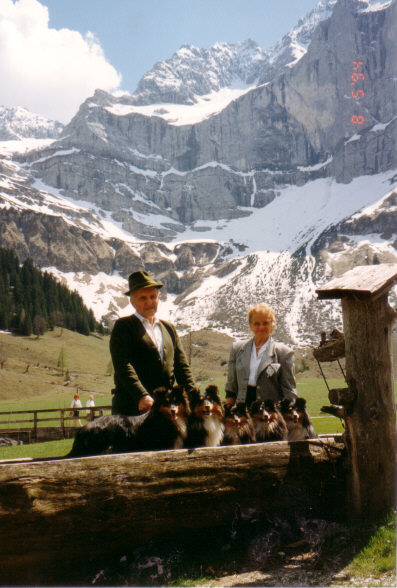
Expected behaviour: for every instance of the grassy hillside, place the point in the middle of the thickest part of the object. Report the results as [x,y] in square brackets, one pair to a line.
[30,372]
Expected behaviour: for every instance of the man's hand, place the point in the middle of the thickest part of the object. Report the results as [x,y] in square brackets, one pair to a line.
[145,403]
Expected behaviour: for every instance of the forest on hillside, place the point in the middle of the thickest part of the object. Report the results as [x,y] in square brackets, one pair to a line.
[33,301]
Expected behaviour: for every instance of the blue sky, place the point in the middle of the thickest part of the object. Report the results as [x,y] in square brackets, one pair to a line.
[136,33]
[55,53]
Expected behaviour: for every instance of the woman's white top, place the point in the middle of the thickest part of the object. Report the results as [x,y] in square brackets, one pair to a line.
[76,403]
[255,361]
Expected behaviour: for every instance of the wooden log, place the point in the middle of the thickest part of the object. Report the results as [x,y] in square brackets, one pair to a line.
[330,351]
[370,425]
[343,396]
[80,510]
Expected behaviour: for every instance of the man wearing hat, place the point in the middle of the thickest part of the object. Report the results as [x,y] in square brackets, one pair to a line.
[146,352]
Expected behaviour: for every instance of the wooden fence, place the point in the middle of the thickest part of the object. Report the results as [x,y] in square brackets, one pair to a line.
[33,421]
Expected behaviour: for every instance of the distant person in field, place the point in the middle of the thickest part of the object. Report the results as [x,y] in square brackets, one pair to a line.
[146,351]
[74,413]
[260,368]
[90,413]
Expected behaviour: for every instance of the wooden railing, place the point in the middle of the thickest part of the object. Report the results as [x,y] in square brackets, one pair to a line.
[35,419]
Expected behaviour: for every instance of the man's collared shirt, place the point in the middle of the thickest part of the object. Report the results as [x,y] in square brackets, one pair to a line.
[154,332]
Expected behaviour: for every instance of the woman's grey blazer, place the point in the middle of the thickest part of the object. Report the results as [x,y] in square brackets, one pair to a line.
[276,372]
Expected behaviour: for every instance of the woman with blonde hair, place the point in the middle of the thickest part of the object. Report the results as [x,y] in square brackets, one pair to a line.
[89,414]
[260,368]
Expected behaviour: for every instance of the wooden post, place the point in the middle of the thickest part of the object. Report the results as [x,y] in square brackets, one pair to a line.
[63,422]
[35,424]
[370,419]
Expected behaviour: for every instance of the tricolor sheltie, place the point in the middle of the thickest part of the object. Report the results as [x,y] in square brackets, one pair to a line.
[239,428]
[164,426]
[268,422]
[205,423]
[297,419]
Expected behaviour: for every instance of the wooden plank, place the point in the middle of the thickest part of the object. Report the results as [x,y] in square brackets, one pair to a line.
[58,511]
[363,281]
[39,410]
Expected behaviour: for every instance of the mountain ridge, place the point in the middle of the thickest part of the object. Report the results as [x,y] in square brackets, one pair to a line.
[257,199]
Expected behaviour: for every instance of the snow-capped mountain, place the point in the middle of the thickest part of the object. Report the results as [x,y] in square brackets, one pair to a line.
[192,72]
[19,123]
[273,175]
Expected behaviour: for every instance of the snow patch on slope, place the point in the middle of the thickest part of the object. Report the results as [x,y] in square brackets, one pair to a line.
[186,114]
[298,215]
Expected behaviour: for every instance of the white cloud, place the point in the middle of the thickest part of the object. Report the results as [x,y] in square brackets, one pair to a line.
[48,71]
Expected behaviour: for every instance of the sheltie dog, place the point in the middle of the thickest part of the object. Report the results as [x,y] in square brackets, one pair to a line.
[239,428]
[268,422]
[164,426]
[297,419]
[205,423]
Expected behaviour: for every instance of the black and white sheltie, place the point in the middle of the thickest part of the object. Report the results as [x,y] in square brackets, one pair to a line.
[297,419]
[239,428]
[164,426]
[205,423]
[269,424]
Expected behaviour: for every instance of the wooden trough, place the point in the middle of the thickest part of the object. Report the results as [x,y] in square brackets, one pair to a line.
[83,510]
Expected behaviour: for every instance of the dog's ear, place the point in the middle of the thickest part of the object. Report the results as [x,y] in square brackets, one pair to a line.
[284,404]
[241,409]
[194,395]
[159,394]
[228,409]
[254,406]
[270,406]
[177,390]
[300,404]
[185,400]
[213,392]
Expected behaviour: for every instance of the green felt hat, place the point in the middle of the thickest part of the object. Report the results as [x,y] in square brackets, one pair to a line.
[141,279]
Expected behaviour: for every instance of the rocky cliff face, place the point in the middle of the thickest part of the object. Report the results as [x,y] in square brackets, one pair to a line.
[229,195]
[289,130]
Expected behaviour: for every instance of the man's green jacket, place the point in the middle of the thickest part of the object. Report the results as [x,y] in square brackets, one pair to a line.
[138,369]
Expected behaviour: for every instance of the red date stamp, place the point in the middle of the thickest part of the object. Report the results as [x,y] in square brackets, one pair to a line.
[357,79]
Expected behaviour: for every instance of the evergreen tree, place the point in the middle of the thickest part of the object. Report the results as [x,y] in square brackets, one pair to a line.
[31,300]
[62,361]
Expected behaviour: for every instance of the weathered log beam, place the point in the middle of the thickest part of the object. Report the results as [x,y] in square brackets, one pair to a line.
[343,396]
[330,351]
[97,506]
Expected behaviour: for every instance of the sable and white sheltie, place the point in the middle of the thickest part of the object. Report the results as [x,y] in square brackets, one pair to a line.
[297,419]
[268,422]
[205,423]
[239,428]
[164,426]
